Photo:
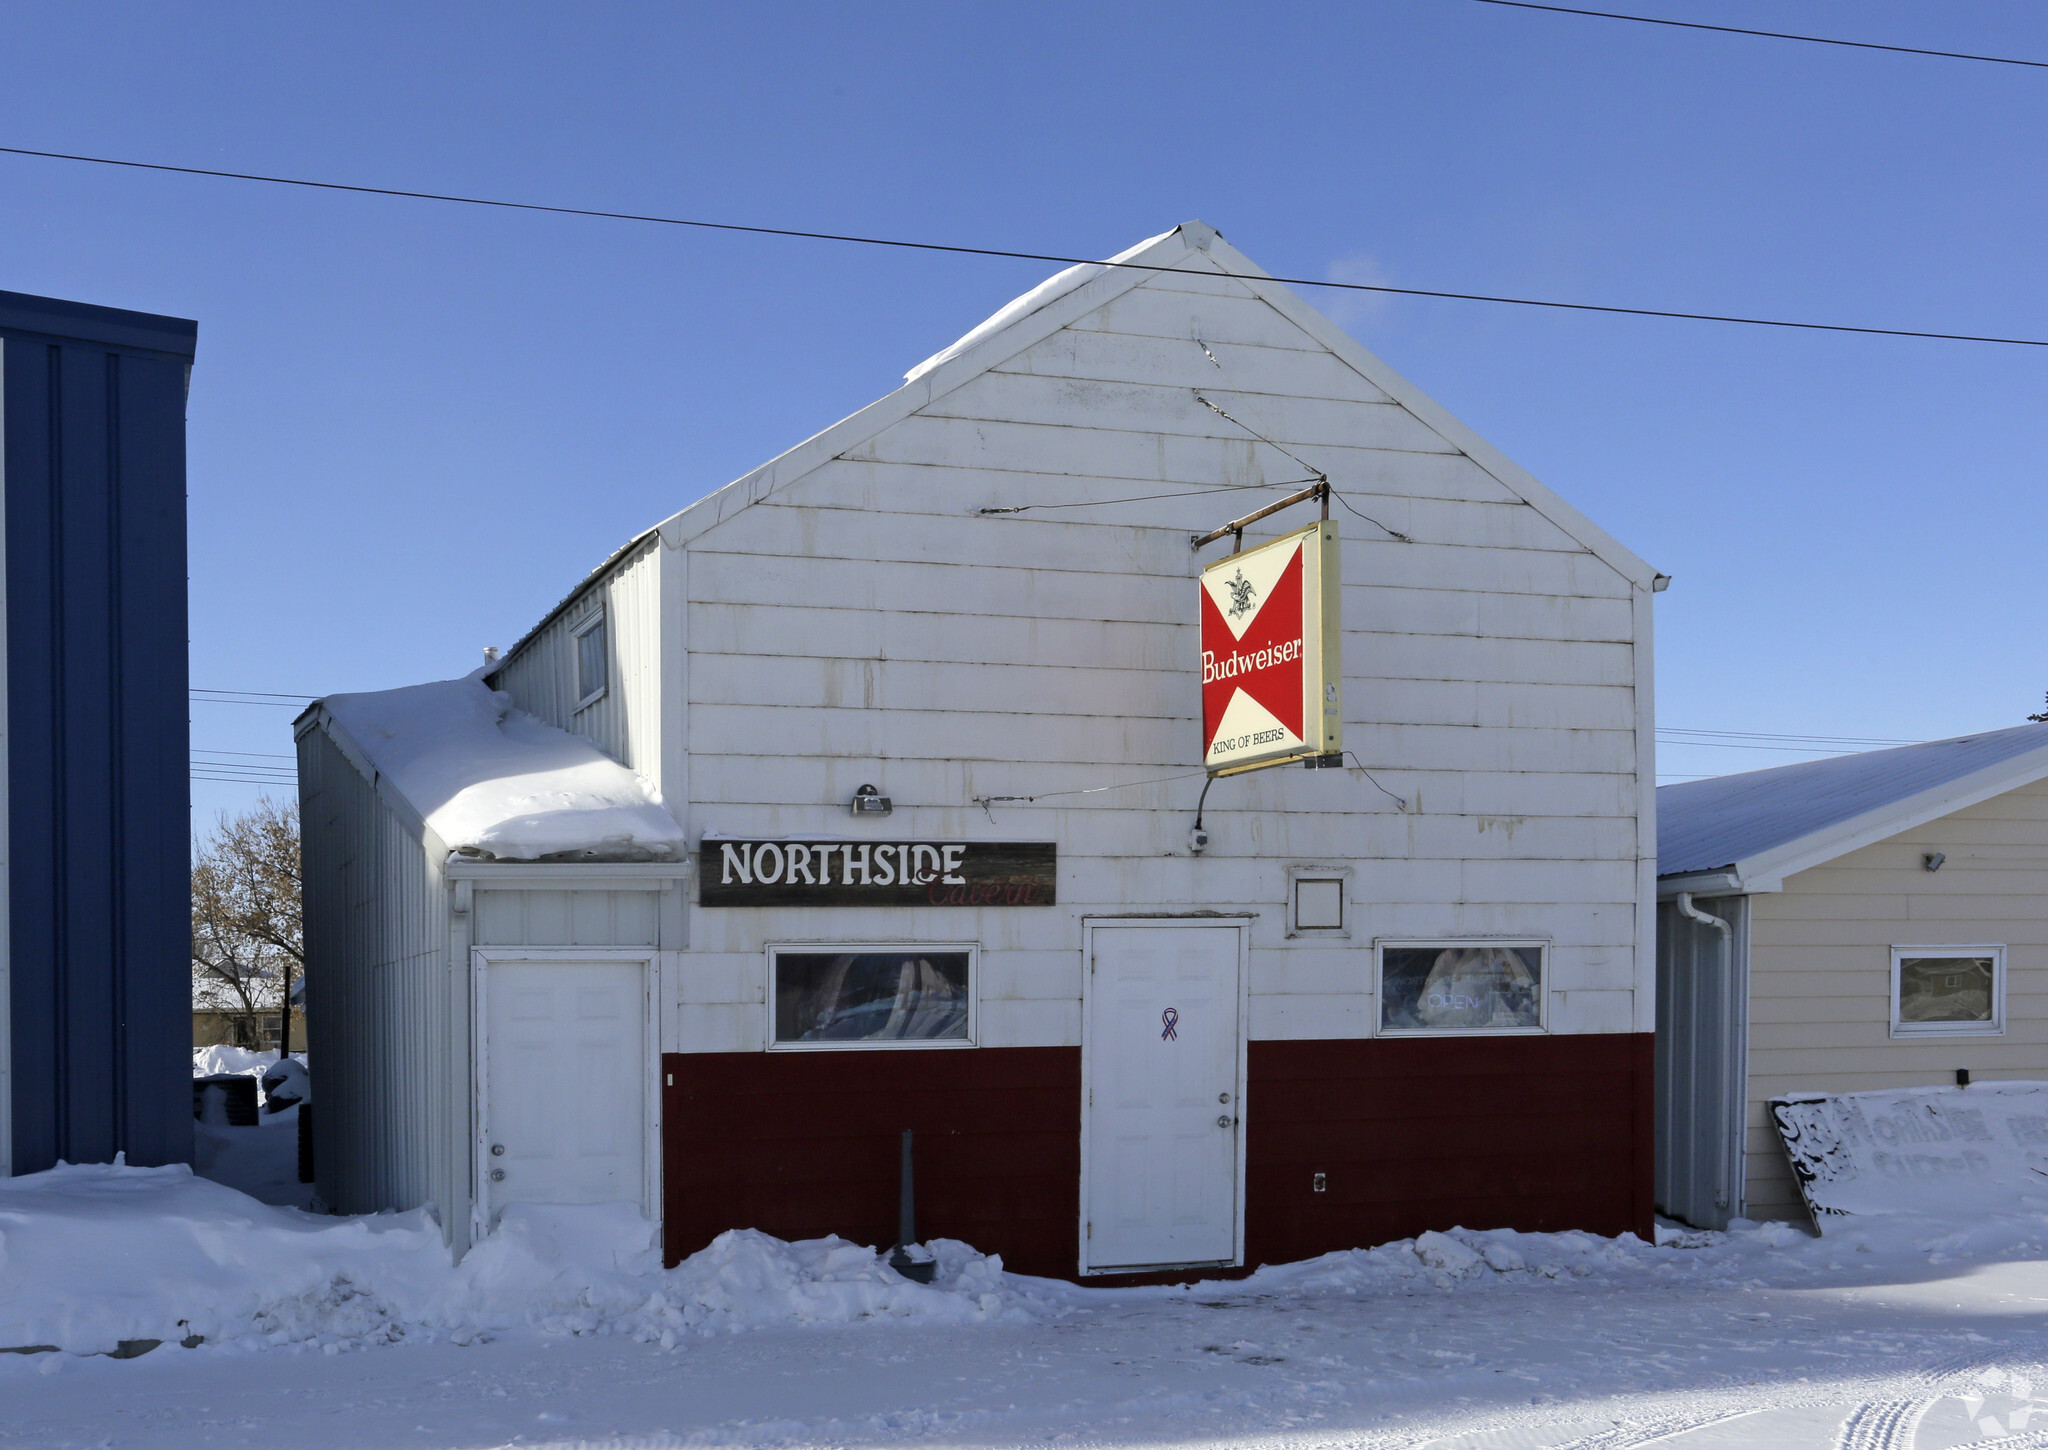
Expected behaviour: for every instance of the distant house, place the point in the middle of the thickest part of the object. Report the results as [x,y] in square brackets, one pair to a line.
[95,919]
[1877,920]
[916,715]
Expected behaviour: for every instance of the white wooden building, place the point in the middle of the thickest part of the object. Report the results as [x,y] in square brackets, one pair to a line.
[972,606]
[1877,920]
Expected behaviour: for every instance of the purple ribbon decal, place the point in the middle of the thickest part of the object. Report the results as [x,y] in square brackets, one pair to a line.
[1170,1016]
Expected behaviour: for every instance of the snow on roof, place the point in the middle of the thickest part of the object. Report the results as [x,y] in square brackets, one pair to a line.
[1050,290]
[490,780]
[1730,820]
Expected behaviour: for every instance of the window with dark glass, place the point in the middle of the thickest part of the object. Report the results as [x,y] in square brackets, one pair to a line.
[592,661]
[868,997]
[1461,987]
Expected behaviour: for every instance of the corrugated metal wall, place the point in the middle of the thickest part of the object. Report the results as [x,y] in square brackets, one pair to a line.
[541,676]
[97,798]
[387,1013]
[1702,1056]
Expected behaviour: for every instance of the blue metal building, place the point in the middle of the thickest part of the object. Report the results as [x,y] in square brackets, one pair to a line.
[95,980]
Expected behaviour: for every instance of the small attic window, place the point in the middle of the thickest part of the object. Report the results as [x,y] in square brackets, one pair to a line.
[593,660]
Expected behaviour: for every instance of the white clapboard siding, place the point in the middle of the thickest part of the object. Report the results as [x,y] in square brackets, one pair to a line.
[930,586]
[735,791]
[864,683]
[541,675]
[1820,968]
[1180,363]
[1303,426]
[1362,472]
[1102,545]
[849,615]
[1155,311]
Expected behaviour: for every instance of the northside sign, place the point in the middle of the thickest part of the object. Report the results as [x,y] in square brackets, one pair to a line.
[1271,667]
[876,873]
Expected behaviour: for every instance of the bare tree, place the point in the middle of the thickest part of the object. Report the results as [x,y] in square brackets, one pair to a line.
[247,937]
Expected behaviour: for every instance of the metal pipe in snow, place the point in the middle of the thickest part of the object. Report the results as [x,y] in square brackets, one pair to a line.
[906,1204]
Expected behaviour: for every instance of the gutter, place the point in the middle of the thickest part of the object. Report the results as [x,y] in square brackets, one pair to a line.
[1728,881]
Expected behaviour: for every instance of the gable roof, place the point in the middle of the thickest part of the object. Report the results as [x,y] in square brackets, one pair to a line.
[1067,297]
[1763,825]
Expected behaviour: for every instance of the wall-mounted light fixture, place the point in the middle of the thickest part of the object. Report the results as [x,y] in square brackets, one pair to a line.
[867,801]
[1933,859]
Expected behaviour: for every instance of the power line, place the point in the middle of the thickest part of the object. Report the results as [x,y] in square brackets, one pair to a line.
[1023,256]
[199,696]
[1767,34]
[1780,736]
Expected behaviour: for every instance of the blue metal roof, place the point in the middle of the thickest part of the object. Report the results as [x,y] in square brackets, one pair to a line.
[1711,825]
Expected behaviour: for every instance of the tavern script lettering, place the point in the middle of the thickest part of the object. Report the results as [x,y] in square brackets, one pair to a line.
[877,873]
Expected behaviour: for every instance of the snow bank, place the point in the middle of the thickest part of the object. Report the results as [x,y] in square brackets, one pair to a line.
[221,1060]
[1050,290]
[495,781]
[1931,1151]
[92,1254]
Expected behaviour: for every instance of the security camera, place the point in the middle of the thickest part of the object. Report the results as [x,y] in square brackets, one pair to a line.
[1198,840]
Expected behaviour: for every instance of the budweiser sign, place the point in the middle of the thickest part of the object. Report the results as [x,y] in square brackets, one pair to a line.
[1271,667]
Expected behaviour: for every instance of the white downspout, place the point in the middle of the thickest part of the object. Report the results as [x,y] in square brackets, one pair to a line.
[1728,1004]
[1686,908]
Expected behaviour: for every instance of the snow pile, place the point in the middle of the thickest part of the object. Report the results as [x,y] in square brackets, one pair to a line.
[1045,293]
[1947,1151]
[494,781]
[221,1060]
[93,1254]
[1459,1257]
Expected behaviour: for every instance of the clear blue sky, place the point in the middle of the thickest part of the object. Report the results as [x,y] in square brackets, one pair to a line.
[414,426]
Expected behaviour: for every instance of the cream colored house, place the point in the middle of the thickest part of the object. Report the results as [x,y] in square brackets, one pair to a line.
[1872,921]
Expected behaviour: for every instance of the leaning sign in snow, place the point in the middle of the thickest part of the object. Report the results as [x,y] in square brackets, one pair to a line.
[1938,1151]
[490,780]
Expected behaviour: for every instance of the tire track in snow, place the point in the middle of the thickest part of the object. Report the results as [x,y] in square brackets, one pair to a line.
[1892,1422]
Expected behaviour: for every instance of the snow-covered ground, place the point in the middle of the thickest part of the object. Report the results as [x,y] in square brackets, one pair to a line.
[563,1330]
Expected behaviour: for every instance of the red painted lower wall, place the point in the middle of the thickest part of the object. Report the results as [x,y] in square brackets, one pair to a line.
[803,1144]
[1533,1133]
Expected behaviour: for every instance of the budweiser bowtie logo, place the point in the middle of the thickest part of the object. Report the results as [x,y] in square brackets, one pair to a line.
[1262,652]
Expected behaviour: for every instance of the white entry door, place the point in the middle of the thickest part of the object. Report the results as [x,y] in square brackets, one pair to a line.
[564,1083]
[1162,1097]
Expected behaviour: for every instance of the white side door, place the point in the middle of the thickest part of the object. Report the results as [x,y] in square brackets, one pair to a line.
[1162,1079]
[563,1115]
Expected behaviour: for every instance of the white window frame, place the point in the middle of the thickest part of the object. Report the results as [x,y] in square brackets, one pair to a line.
[1309,872]
[1381,945]
[594,620]
[1994,1028]
[897,1044]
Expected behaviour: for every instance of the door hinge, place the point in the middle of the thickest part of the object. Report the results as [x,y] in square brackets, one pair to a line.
[1091,1097]
[1091,1228]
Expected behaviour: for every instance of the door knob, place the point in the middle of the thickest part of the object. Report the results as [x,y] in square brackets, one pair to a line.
[497,1150]
[497,1175]
[1224,1121]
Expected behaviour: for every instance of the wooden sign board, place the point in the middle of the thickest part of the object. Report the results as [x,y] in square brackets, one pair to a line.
[877,873]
